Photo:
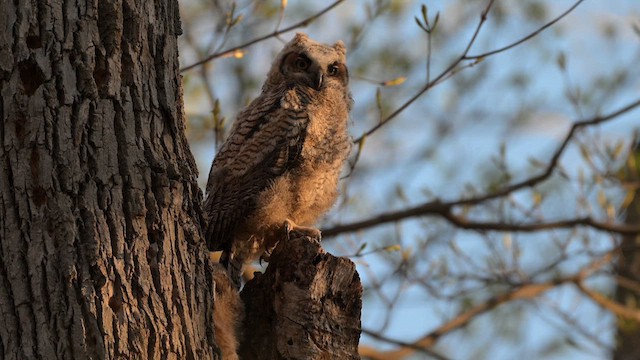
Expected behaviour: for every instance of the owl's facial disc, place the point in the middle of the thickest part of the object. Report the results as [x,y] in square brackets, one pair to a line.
[298,66]
[316,74]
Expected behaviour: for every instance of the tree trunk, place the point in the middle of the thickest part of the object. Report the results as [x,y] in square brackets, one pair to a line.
[305,306]
[100,254]
[628,267]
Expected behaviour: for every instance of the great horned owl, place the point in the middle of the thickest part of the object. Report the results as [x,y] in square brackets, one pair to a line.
[278,170]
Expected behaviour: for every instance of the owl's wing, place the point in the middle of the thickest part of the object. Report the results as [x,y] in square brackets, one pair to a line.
[265,142]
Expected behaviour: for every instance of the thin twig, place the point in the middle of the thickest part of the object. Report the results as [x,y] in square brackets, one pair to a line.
[444,209]
[524,39]
[622,229]
[435,81]
[609,304]
[453,67]
[526,291]
[375,354]
[276,33]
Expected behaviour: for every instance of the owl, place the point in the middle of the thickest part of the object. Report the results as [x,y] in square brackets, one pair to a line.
[278,170]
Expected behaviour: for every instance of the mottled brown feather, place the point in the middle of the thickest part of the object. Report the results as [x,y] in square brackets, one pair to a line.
[283,157]
[255,157]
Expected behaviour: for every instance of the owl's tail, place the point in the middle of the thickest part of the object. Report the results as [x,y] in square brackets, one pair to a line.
[234,268]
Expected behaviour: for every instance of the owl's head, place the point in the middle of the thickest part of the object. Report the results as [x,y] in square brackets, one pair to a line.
[313,64]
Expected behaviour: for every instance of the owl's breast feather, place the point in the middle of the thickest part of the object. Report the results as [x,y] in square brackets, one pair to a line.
[327,137]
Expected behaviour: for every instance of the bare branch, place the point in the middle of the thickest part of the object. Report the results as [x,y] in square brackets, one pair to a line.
[526,38]
[444,209]
[375,354]
[622,229]
[435,81]
[524,292]
[554,159]
[529,291]
[609,304]
[454,66]
[430,208]
[276,33]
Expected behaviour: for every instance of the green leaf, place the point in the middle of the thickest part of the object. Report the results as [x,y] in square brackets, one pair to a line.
[425,13]
[420,24]
[395,82]
[435,21]
[392,248]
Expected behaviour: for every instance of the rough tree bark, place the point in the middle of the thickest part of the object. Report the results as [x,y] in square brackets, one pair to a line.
[100,252]
[305,306]
[628,267]
[101,255]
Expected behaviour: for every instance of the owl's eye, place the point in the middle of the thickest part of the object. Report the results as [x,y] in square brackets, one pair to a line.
[332,70]
[302,63]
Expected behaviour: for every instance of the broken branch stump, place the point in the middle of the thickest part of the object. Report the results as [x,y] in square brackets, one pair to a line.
[305,306]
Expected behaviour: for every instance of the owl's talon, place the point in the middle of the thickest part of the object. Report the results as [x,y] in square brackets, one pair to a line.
[288,227]
[266,256]
[294,231]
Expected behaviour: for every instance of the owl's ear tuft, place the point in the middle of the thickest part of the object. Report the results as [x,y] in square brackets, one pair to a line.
[340,48]
[300,36]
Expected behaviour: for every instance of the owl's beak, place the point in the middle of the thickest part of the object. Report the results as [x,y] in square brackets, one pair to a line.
[318,80]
